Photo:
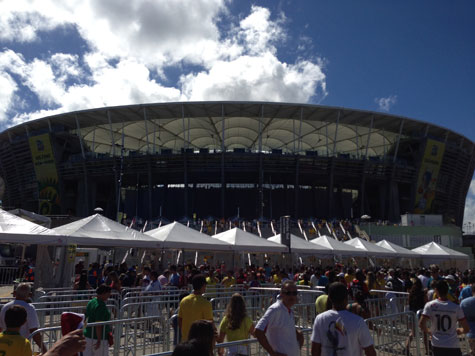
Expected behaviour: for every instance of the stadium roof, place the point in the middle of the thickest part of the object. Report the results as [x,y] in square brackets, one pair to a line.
[217,126]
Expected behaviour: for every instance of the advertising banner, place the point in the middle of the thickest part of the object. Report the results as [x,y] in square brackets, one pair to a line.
[428,174]
[46,174]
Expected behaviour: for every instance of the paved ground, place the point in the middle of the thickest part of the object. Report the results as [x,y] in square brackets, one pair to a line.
[6,291]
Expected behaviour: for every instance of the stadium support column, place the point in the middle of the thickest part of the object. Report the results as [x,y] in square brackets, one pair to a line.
[393,191]
[332,169]
[185,165]
[261,171]
[149,168]
[363,175]
[84,167]
[116,175]
[296,186]
[223,150]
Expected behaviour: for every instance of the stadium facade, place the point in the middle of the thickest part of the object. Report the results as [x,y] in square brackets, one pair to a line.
[222,159]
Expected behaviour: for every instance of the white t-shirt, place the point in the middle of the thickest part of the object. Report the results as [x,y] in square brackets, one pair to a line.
[341,333]
[444,316]
[279,325]
[154,286]
[31,317]
[424,280]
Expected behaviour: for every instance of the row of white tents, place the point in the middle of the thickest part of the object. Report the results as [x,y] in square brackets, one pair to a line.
[99,231]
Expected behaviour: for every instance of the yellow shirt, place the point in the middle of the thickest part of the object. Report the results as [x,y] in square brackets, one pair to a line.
[228,282]
[13,344]
[321,303]
[193,307]
[276,279]
[241,333]
[349,278]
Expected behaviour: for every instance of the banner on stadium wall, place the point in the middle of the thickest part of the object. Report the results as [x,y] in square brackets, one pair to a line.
[46,174]
[428,173]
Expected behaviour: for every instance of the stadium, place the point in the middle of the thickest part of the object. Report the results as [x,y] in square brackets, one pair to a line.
[226,159]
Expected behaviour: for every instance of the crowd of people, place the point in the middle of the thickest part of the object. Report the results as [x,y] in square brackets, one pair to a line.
[445,298]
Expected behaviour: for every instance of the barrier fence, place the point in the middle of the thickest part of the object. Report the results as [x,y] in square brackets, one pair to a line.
[393,334]
[135,336]
[253,346]
[8,275]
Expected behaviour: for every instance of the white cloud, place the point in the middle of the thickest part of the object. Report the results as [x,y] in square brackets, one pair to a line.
[8,87]
[385,104]
[133,42]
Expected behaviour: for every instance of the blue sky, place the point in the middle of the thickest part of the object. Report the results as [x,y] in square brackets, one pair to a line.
[411,58]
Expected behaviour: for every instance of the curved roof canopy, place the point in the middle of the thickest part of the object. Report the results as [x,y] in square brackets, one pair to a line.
[246,242]
[178,236]
[302,246]
[252,126]
[371,249]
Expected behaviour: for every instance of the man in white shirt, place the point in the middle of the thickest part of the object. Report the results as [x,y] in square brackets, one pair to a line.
[22,295]
[443,315]
[338,331]
[153,286]
[276,330]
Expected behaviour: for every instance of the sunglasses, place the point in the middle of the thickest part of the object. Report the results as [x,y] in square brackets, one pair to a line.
[294,293]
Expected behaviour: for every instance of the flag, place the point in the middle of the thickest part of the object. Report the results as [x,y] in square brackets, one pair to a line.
[342,228]
[125,257]
[144,227]
[70,322]
[272,227]
[132,223]
[314,227]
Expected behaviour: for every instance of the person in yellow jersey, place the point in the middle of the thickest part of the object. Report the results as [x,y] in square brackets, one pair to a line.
[194,307]
[236,325]
[349,276]
[11,342]
[229,280]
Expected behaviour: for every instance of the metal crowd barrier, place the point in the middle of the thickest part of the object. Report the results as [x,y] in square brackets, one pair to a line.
[136,336]
[386,306]
[395,334]
[253,346]
[8,275]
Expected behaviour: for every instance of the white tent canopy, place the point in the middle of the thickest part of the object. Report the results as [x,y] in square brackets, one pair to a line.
[246,242]
[97,230]
[338,247]
[14,229]
[399,250]
[434,250]
[371,249]
[178,236]
[33,217]
[302,246]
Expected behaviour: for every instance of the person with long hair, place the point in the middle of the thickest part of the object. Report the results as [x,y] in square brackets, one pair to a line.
[417,301]
[203,333]
[82,283]
[236,325]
